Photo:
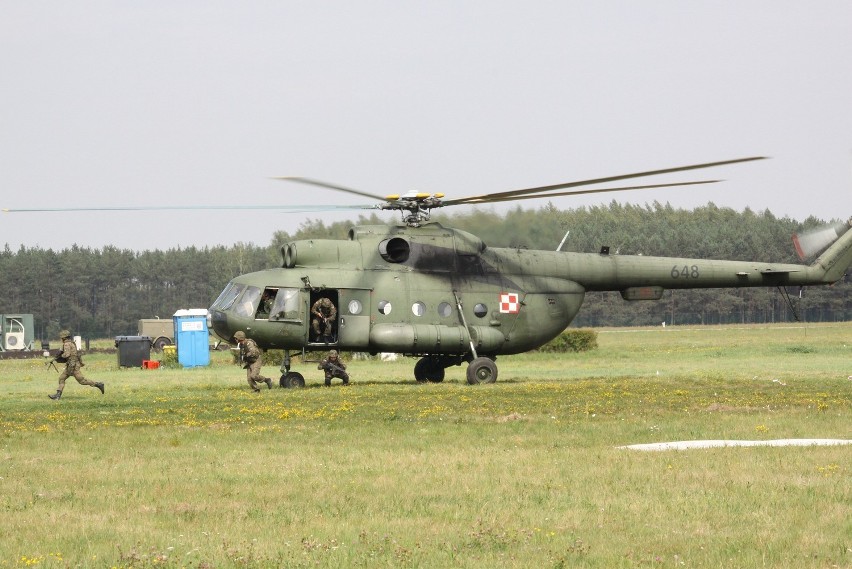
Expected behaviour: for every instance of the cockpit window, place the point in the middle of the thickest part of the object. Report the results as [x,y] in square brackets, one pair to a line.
[286,305]
[248,302]
[228,296]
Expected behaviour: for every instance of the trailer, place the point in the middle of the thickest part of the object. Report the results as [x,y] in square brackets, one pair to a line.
[161,332]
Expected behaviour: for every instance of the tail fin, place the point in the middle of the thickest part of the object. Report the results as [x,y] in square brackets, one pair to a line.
[837,258]
[812,241]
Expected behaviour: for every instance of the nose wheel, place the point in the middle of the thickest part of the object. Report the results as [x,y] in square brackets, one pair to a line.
[292,380]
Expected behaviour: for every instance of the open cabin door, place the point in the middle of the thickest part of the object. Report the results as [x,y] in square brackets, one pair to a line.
[339,317]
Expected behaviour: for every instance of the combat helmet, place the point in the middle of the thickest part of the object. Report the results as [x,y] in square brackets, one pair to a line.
[332,353]
[64,334]
[239,335]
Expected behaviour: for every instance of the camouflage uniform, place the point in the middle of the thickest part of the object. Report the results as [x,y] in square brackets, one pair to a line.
[324,313]
[265,306]
[253,358]
[73,364]
[334,367]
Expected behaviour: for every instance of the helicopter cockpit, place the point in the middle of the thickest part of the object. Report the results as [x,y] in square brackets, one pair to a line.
[249,303]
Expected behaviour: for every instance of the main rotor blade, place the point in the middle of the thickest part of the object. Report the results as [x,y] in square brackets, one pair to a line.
[540,189]
[578,192]
[321,184]
[287,208]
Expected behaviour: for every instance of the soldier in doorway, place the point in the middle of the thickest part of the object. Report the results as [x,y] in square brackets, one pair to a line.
[73,362]
[324,314]
[333,367]
[252,359]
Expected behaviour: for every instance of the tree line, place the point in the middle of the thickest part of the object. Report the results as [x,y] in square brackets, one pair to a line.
[100,293]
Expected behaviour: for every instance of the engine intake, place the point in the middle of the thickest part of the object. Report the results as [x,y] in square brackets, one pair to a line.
[395,250]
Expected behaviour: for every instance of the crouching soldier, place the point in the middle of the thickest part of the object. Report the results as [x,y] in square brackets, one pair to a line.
[252,358]
[334,367]
[73,363]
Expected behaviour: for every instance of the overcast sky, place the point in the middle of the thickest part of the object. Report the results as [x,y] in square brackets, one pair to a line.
[200,102]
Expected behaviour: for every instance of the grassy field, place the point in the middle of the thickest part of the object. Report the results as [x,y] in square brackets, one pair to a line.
[188,468]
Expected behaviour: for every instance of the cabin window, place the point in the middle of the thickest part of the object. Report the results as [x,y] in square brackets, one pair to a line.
[228,296]
[355,307]
[384,307]
[445,309]
[480,310]
[286,305]
[248,302]
[418,309]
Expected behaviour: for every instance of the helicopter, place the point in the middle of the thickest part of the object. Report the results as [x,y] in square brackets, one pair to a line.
[445,297]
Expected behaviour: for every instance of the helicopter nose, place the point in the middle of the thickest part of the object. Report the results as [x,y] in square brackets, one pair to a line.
[218,323]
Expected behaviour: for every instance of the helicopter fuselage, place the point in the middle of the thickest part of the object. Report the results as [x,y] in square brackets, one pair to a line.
[437,291]
[426,290]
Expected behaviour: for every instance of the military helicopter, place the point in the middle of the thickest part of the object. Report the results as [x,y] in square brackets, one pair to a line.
[445,297]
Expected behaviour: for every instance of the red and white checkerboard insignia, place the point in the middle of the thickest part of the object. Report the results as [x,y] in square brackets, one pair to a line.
[509,303]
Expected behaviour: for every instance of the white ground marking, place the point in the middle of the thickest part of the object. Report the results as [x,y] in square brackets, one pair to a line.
[685,445]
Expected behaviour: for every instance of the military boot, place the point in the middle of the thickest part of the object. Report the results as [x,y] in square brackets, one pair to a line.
[268,383]
[100,386]
[56,395]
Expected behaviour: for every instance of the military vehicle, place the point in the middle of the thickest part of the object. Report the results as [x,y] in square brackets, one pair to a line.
[16,332]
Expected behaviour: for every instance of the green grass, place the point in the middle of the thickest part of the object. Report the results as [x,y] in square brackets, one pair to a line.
[188,468]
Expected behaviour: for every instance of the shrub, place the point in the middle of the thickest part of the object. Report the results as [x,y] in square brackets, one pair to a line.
[572,340]
[169,358]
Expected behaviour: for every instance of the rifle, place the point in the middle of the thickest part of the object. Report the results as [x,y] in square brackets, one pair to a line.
[325,364]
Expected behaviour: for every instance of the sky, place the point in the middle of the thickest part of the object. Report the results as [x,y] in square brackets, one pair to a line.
[200,103]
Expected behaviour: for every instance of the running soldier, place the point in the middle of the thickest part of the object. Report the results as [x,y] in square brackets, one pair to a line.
[73,363]
[252,357]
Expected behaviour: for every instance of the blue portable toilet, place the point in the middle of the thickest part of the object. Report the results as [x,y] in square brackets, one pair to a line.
[191,337]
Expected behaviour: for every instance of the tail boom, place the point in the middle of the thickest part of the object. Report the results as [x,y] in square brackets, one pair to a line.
[621,272]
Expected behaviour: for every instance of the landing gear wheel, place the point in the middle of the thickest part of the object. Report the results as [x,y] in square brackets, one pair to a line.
[427,369]
[292,380]
[481,370]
